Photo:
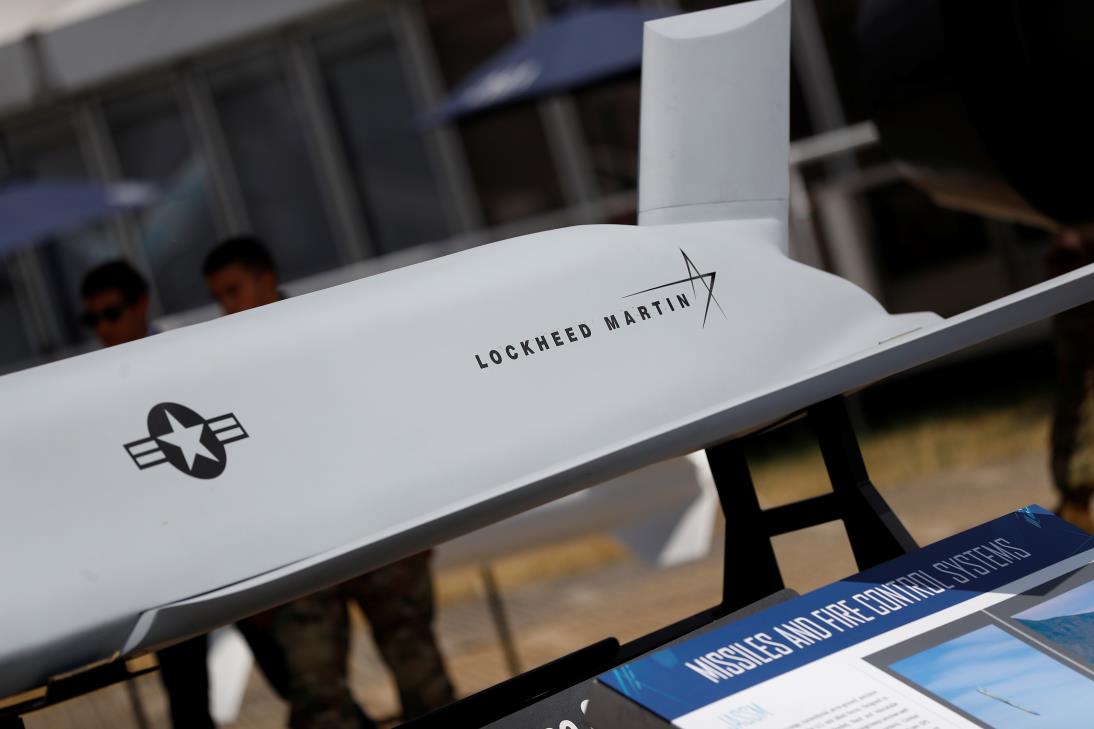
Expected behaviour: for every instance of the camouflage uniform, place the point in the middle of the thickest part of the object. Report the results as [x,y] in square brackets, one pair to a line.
[1073,419]
[313,635]
[312,639]
[398,602]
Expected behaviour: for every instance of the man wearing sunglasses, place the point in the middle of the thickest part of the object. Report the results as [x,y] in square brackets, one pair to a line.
[115,298]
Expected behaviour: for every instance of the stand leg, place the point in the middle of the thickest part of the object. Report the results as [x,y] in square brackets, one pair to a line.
[875,533]
[501,620]
[137,704]
[750,570]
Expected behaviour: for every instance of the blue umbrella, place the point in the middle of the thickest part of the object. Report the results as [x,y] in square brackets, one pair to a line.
[35,210]
[584,45]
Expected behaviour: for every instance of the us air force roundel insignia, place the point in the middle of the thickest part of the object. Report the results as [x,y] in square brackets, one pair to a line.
[189,442]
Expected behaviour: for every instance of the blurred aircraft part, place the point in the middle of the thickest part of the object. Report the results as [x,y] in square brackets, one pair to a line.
[580,47]
[230,663]
[36,210]
[664,513]
[676,537]
[980,101]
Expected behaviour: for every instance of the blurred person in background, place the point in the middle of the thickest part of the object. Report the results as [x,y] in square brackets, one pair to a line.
[1073,418]
[313,633]
[115,300]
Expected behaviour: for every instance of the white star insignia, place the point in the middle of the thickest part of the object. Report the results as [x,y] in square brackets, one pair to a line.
[187,439]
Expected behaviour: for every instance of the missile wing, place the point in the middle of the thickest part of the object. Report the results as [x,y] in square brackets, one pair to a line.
[1000,699]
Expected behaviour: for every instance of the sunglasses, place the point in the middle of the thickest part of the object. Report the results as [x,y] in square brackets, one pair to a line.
[109,314]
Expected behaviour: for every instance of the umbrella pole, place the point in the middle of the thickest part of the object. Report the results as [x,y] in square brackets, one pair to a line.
[500,619]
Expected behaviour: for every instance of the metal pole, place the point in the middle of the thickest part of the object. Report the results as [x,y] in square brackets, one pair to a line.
[500,619]
[563,129]
[137,704]
[47,320]
[200,116]
[101,159]
[844,218]
[340,195]
[462,203]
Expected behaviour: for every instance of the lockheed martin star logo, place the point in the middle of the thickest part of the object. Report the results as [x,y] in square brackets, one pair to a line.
[693,275]
[189,442]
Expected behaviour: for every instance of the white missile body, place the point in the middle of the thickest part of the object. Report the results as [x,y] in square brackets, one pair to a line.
[384,416]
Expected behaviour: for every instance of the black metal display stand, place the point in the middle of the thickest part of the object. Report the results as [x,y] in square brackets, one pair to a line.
[875,533]
[750,569]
